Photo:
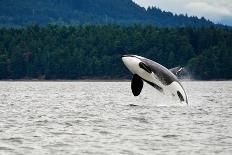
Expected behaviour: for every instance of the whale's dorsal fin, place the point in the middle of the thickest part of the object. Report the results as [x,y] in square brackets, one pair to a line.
[176,70]
[136,85]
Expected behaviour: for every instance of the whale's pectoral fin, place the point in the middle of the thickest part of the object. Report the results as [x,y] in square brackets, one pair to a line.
[136,85]
[176,70]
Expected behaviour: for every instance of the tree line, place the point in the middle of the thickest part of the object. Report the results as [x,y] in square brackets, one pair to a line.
[94,51]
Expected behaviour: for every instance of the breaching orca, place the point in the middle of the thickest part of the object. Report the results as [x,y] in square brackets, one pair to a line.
[162,79]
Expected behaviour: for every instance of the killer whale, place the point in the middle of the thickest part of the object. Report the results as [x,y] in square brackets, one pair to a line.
[156,75]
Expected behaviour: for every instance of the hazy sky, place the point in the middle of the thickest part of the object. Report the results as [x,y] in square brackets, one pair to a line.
[214,10]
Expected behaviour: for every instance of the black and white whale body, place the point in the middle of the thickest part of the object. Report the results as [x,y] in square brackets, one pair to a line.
[156,75]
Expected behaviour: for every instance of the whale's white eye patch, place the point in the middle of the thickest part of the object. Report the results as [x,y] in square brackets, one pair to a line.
[180,96]
[145,67]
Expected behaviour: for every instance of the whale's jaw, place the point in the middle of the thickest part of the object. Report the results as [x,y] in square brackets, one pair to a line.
[132,63]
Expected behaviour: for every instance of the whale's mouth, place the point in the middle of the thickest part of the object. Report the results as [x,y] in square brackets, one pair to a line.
[124,56]
[127,55]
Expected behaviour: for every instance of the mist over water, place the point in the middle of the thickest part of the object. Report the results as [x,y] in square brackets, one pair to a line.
[96,118]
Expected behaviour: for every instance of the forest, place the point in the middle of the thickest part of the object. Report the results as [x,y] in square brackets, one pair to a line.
[18,13]
[94,51]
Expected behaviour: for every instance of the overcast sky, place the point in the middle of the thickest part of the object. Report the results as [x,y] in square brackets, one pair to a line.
[215,10]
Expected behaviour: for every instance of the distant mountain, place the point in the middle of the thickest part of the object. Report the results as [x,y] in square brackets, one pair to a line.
[73,12]
[226,20]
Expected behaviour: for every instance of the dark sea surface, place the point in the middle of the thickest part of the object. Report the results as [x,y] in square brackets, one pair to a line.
[98,118]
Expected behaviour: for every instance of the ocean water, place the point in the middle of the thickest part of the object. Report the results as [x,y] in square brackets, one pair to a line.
[97,118]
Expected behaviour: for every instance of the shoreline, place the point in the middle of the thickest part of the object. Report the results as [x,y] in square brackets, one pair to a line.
[65,80]
[98,80]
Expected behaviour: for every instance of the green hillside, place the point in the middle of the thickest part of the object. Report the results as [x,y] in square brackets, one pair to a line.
[73,12]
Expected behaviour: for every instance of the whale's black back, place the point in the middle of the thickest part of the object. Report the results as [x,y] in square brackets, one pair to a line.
[164,75]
